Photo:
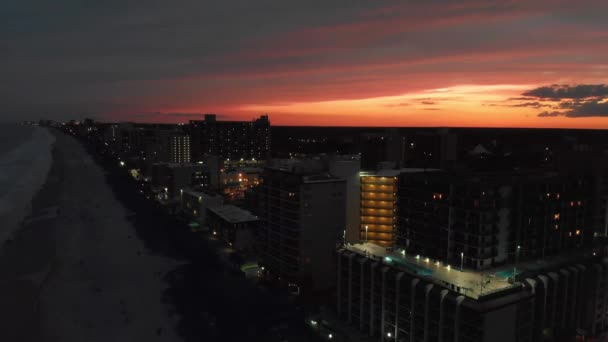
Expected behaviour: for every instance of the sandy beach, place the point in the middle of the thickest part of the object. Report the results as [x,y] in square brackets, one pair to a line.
[75,270]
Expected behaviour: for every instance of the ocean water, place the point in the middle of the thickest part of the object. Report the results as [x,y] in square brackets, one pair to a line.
[25,159]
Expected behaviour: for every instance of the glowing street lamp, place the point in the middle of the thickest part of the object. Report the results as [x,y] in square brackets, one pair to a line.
[516,261]
[461,260]
[366,228]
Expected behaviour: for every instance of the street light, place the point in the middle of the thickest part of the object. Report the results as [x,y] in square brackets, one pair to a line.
[461,260]
[516,262]
[366,227]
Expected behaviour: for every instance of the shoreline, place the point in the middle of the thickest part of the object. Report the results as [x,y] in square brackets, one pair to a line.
[26,262]
[72,272]
[136,265]
[30,169]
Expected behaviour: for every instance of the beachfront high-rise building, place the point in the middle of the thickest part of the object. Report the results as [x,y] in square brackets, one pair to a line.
[348,167]
[395,296]
[167,146]
[179,148]
[230,139]
[500,256]
[492,218]
[302,213]
[378,208]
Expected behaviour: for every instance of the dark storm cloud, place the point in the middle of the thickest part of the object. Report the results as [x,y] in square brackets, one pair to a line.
[584,100]
[588,109]
[560,92]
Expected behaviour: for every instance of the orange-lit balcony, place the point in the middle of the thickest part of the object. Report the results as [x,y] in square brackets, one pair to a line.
[377,188]
[377,220]
[378,180]
[377,204]
[377,212]
[377,196]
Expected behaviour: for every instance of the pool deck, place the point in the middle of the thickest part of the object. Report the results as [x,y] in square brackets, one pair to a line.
[471,283]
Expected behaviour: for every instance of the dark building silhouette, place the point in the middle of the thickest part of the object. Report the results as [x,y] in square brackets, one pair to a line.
[230,139]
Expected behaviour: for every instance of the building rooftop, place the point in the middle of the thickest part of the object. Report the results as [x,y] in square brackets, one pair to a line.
[395,172]
[178,165]
[321,177]
[197,193]
[233,214]
[471,283]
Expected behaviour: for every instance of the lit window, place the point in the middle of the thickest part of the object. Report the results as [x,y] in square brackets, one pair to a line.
[556,216]
[578,232]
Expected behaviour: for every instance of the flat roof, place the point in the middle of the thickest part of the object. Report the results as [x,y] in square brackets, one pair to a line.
[203,194]
[321,177]
[470,283]
[395,172]
[233,214]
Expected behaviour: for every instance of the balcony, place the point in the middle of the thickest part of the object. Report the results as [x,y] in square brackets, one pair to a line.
[378,180]
[377,196]
[377,204]
[377,212]
[378,188]
[377,220]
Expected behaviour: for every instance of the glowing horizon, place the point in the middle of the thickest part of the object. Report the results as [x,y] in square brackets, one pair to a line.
[372,63]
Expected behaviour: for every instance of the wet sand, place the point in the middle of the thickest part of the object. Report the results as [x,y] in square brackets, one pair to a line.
[75,270]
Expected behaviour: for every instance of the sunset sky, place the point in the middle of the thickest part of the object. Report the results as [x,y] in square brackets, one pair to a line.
[534,63]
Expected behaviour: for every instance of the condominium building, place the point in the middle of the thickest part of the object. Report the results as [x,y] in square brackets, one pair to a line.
[379,204]
[489,219]
[179,148]
[478,256]
[230,139]
[395,296]
[378,208]
[302,212]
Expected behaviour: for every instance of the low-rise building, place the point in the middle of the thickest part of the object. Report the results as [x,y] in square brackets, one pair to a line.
[234,225]
[171,178]
[194,204]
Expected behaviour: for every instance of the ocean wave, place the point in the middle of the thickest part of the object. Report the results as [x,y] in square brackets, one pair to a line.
[23,171]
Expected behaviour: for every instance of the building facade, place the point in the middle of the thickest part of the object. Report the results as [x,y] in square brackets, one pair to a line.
[398,298]
[302,216]
[194,204]
[235,226]
[230,139]
[489,219]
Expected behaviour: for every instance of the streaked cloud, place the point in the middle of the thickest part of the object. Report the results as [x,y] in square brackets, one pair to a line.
[305,63]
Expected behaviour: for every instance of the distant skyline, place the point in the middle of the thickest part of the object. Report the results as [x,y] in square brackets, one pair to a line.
[470,63]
